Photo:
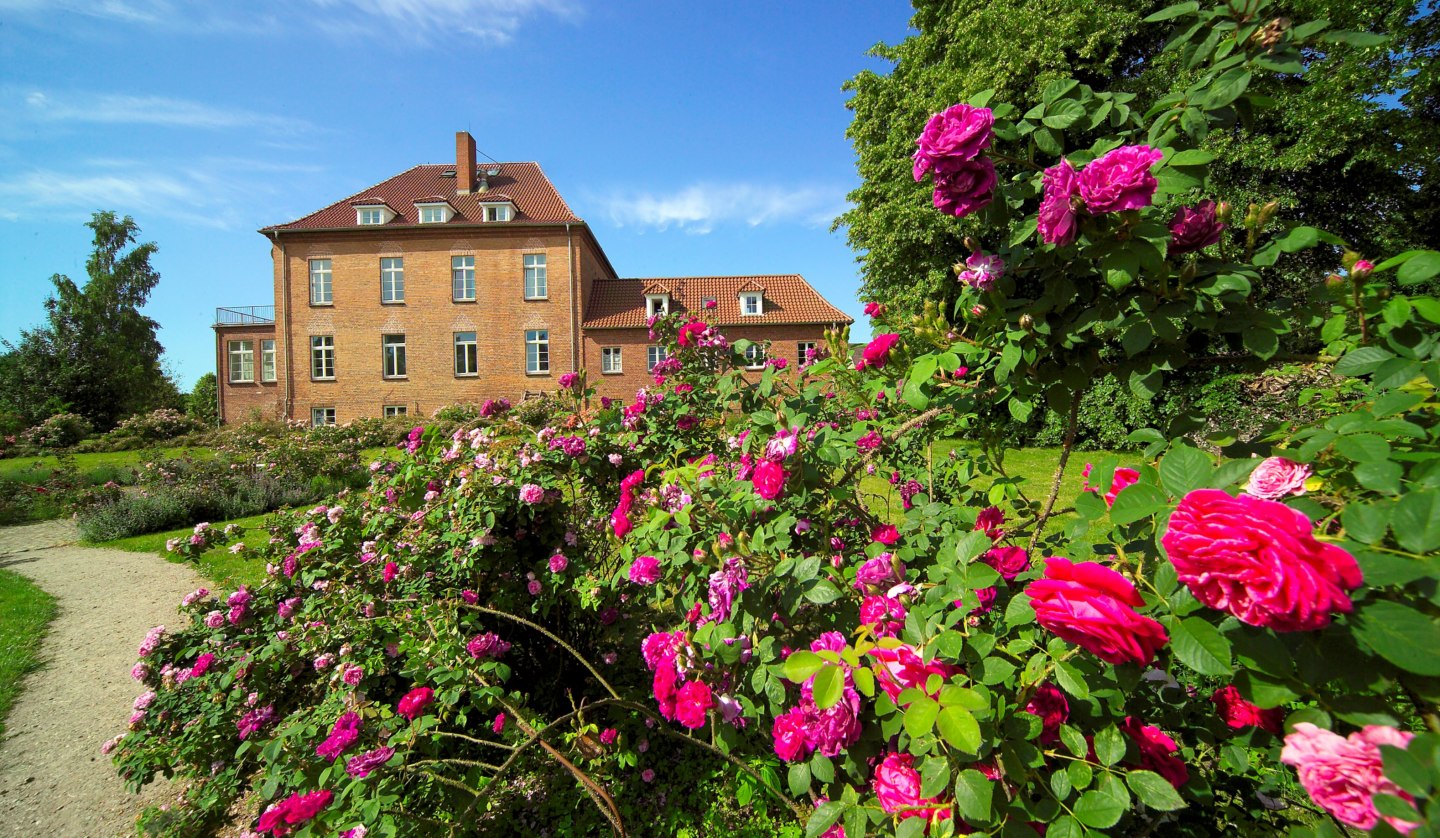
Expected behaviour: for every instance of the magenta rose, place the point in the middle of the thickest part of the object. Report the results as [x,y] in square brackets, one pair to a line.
[1009,562]
[1258,560]
[769,479]
[877,351]
[897,784]
[532,493]
[1238,713]
[876,572]
[569,380]
[1157,751]
[982,270]
[1093,607]
[1057,208]
[1343,775]
[955,136]
[342,736]
[969,187]
[1120,179]
[362,765]
[645,570]
[789,735]
[1194,228]
[293,810]
[902,667]
[1050,705]
[663,687]
[1277,477]
[692,703]
[415,702]
[885,534]
[487,645]
[1123,477]
[837,727]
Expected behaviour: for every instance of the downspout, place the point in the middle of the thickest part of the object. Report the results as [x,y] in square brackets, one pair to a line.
[284,303]
[222,363]
[574,319]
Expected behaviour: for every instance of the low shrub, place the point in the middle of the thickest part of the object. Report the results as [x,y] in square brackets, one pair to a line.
[155,426]
[168,507]
[59,431]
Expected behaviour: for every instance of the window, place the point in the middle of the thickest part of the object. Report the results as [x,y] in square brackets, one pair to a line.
[537,352]
[322,358]
[242,361]
[462,278]
[497,213]
[322,416]
[653,356]
[535,276]
[656,304]
[267,360]
[394,410]
[373,215]
[434,214]
[466,359]
[392,280]
[610,359]
[806,351]
[754,356]
[392,347]
[321,292]
[752,303]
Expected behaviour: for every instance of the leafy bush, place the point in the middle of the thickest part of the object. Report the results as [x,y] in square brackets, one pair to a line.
[59,431]
[155,426]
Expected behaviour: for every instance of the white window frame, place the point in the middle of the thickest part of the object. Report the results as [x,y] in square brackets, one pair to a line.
[322,357]
[434,213]
[392,280]
[392,356]
[392,410]
[801,347]
[656,304]
[749,297]
[322,416]
[497,212]
[655,354]
[322,287]
[369,215]
[537,284]
[267,360]
[755,356]
[241,366]
[462,279]
[468,351]
[611,362]
[537,361]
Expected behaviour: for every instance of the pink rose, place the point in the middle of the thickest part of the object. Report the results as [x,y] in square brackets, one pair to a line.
[1093,607]
[837,727]
[1258,560]
[1123,477]
[1238,713]
[1194,228]
[692,703]
[498,725]
[981,271]
[690,333]
[877,351]
[769,479]
[569,380]
[1120,179]
[1343,775]
[953,137]
[415,702]
[487,645]
[558,563]
[1009,562]
[1277,477]
[788,733]
[970,187]
[1050,705]
[342,736]
[897,784]
[874,309]
[389,573]
[877,572]
[531,493]
[1157,751]
[1057,208]
[902,667]
[990,519]
[645,570]
[663,688]
[885,534]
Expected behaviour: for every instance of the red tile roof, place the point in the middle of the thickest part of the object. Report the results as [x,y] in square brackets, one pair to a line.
[523,184]
[789,299]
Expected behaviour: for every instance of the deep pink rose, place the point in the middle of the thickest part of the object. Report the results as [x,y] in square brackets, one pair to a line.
[769,479]
[877,610]
[981,271]
[1157,751]
[389,573]
[1238,713]
[1057,208]
[902,667]
[362,765]
[645,570]
[202,665]
[1050,705]
[692,703]
[970,187]
[487,645]
[951,137]
[885,534]
[1093,607]
[789,735]
[690,333]
[569,380]
[877,572]
[873,309]
[877,351]
[663,687]
[1194,228]
[1123,477]
[897,784]
[1277,477]
[1009,562]
[661,648]
[1258,560]
[1343,775]
[293,810]
[415,702]
[990,519]
[1120,179]
[342,736]
[837,727]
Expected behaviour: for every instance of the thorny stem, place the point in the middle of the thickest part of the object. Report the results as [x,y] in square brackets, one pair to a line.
[537,627]
[1071,425]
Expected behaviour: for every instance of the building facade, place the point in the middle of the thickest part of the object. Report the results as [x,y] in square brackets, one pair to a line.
[458,283]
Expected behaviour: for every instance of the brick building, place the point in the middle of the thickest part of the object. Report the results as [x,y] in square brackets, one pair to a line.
[460,283]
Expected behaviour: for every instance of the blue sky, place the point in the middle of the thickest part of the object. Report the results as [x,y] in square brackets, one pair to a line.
[695,138]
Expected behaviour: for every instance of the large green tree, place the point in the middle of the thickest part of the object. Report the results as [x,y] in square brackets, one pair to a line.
[96,355]
[1346,140]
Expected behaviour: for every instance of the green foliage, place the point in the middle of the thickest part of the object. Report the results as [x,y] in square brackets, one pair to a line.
[62,430]
[203,404]
[25,611]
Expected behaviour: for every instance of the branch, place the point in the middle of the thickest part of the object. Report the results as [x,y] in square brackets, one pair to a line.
[1071,425]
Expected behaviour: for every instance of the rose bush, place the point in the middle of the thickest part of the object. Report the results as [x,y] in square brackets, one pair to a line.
[775,605]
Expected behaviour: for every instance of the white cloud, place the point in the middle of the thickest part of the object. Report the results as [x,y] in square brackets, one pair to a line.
[700,208]
[120,109]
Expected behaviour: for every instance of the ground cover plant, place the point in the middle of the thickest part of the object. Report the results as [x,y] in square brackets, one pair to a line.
[691,611]
[25,611]
[232,564]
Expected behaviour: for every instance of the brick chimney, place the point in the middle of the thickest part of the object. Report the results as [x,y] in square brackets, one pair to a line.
[464,163]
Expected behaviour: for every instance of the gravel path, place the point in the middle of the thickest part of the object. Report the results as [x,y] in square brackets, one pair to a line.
[53,779]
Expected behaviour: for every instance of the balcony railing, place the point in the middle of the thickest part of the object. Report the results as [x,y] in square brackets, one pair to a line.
[245,316]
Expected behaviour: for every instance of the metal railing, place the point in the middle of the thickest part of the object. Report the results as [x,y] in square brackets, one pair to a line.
[245,316]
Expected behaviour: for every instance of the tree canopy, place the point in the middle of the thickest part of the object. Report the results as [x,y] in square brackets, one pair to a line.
[96,355]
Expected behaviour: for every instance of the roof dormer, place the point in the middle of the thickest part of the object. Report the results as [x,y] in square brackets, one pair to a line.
[434,210]
[372,210]
[500,209]
[752,299]
[657,300]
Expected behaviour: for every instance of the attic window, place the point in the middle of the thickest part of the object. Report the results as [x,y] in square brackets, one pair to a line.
[373,214]
[752,303]
[499,212]
[435,213]
[657,304]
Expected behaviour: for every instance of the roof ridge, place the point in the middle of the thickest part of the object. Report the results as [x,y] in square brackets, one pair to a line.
[563,202]
[344,200]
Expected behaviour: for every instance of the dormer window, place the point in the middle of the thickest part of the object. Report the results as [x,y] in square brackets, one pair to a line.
[752,303]
[657,305]
[370,216]
[502,211]
[434,211]
[373,213]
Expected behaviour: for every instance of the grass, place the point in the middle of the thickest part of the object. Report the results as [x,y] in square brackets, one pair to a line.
[25,611]
[219,565]
[98,467]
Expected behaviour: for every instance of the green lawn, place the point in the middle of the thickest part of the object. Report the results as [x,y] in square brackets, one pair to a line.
[25,611]
[219,565]
[97,467]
